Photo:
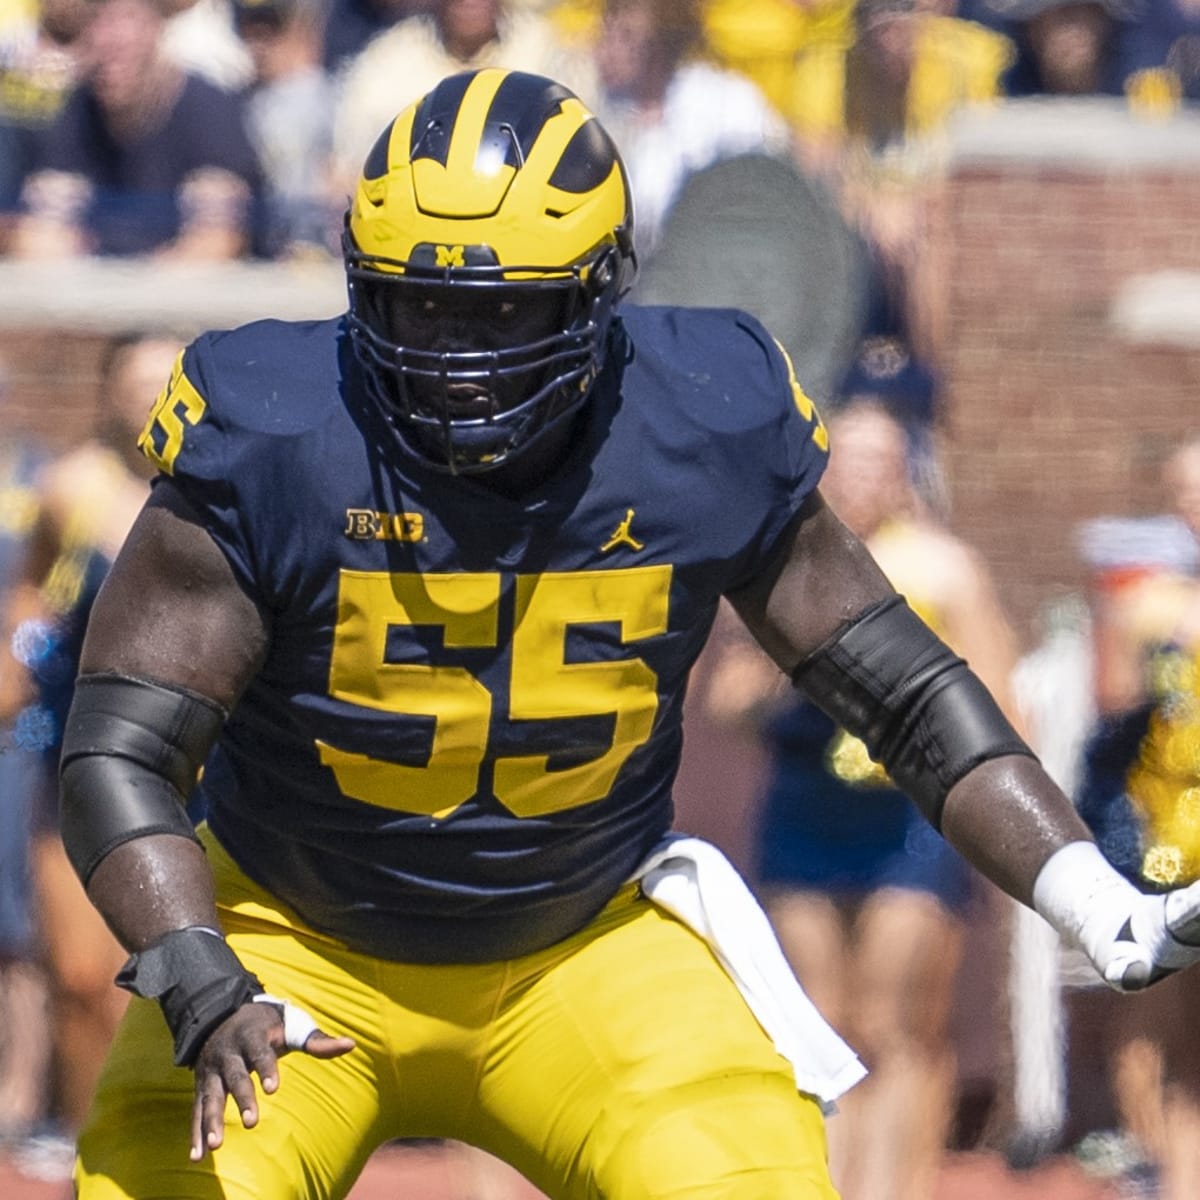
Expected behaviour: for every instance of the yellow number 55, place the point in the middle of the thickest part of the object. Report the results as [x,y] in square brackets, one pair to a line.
[543,685]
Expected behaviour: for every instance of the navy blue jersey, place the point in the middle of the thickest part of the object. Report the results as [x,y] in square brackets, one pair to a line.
[465,734]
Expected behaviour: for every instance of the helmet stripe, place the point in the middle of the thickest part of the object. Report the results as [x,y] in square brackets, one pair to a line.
[467,139]
[523,104]
[437,116]
[547,152]
[489,112]
[587,161]
[376,165]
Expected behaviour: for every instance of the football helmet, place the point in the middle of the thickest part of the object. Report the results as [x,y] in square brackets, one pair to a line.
[488,242]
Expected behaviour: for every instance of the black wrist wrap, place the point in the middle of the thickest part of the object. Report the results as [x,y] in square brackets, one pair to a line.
[132,750]
[197,980]
[888,679]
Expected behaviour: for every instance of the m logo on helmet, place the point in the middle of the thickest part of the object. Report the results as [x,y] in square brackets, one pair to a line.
[450,256]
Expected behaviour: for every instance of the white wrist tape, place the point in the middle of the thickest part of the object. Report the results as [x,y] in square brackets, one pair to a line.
[1080,893]
[298,1026]
[1132,938]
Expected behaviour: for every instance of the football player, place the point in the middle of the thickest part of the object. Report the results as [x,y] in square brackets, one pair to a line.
[420,587]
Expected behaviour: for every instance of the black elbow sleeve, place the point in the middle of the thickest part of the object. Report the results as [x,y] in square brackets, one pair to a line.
[132,751]
[923,714]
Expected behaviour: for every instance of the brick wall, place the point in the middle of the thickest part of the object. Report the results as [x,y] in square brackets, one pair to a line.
[1053,413]
[50,383]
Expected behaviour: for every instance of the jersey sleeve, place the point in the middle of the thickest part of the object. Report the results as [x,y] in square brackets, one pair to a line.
[207,456]
[792,446]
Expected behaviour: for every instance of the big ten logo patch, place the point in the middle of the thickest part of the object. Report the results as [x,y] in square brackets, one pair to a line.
[365,524]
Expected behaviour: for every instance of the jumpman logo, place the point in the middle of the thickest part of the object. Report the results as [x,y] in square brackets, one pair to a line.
[622,537]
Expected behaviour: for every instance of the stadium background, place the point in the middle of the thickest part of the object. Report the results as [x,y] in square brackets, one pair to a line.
[1061,250]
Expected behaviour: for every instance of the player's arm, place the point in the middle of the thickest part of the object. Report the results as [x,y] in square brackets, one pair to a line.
[172,642]
[827,615]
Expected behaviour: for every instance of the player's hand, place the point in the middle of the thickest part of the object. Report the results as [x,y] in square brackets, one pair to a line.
[250,1040]
[1154,938]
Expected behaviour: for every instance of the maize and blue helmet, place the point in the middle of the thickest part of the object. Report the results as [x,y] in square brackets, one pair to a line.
[488,242]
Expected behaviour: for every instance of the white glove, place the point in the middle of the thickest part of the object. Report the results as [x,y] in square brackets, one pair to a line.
[1132,939]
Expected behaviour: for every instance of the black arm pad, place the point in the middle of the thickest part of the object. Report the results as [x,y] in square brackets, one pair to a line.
[132,750]
[887,678]
[197,980]
[107,801]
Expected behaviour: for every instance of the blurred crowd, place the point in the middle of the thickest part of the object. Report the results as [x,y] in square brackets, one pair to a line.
[234,130]
[218,129]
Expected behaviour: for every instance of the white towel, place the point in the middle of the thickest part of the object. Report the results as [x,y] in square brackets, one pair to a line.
[696,883]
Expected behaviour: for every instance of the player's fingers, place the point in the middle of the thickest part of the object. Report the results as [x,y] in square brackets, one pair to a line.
[1134,976]
[264,1062]
[208,1114]
[298,1025]
[323,1045]
[196,1153]
[300,1031]
[240,1086]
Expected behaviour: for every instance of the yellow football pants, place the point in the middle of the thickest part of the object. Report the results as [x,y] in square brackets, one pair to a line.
[619,1064]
